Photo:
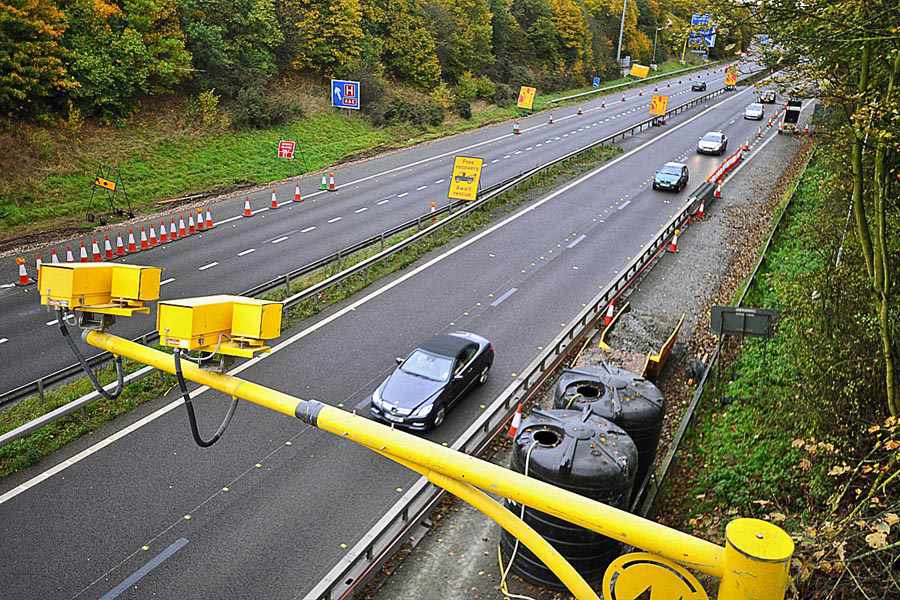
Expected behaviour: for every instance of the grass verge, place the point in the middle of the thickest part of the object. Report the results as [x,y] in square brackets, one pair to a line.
[166,155]
[29,450]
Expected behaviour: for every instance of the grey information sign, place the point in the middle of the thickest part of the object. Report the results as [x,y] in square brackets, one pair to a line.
[732,320]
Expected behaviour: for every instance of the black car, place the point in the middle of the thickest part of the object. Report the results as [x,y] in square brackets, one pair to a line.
[714,142]
[698,86]
[434,377]
[673,176]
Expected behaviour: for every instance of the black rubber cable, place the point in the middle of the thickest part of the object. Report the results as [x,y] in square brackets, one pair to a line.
[120,373]
[192,418]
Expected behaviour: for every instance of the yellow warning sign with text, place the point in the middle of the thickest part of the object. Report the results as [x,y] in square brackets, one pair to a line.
[644,576]
[526,97]
[466,175]
[105,183]
[659,105]
[731,76]
[639,70]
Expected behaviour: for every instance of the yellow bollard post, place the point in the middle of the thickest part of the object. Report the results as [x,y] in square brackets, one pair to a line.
[757,561]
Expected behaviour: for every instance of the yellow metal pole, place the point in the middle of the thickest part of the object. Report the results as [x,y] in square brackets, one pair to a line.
[757,556]
[566,573]
[757,561]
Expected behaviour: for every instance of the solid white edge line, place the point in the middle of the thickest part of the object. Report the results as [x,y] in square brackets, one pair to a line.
[349,308]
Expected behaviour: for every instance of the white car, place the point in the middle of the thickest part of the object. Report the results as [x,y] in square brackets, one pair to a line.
[755,112]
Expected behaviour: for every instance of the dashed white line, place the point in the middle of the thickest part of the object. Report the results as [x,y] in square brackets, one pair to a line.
[308,229]
[247,251]
[334,220]
[53,322]
[506,156]
[279,240]
[167,281]
[382,202]
[576,241]
[439,181]
[6,285]
[528,148]
[403,194]
[209,266]
[421,187]
[3,340]
[626,203]
[505,295]
[363,209]
[496,160]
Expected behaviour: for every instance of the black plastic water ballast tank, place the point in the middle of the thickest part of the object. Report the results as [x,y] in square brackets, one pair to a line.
[623,397]
[582,453]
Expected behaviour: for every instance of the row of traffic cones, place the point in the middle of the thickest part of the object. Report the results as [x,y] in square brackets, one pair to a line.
[274,204]
[204,222]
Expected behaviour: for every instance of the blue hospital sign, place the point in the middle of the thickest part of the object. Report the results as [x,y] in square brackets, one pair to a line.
[345,94]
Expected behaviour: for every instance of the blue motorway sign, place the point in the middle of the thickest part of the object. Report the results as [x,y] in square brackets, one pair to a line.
[596,82]
[697,19]
[345,94]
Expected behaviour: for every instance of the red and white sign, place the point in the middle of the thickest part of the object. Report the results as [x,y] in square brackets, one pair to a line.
[286,148]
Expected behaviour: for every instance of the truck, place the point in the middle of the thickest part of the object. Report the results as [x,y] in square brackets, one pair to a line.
[791,117]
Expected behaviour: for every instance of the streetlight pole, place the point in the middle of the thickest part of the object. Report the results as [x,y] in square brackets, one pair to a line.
[621,30]
[655,34]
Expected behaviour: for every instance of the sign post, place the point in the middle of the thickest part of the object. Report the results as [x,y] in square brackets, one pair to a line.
[110,181]
[466,178]
[737,321]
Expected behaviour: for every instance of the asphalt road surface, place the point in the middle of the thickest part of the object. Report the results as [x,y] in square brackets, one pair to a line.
[373,195]
[137,511]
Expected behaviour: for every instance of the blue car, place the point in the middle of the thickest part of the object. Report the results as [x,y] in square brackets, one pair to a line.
[673,177]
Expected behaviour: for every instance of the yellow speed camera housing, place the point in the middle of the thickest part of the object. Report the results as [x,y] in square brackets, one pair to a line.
[229,325]
[105,288]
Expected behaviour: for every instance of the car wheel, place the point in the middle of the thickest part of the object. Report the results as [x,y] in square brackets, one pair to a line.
[482,379]
[439,416]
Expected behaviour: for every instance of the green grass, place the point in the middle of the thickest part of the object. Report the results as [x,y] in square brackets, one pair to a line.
[32,448]
[165,155]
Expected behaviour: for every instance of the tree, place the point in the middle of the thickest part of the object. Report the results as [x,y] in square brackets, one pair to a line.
[573,39]
[32,67]
[323,36]
[463,32]
[396,35]
[233,42]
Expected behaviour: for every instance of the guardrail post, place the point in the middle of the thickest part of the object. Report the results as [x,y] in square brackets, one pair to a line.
[419,223]
[382,240]
[287,283]
[40,387]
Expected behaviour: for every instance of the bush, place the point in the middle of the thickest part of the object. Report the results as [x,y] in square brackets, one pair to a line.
[372,88]
[443,96]
[396,110]
[467,87]
[505,95]
[463,108]
[485,88]
[208,108]
[254,108]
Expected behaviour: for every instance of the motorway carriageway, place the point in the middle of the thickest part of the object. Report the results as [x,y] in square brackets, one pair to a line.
[144,513]
[243,252]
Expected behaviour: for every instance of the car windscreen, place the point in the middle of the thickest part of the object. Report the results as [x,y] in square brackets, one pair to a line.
[755,107]
[712,137]
[428,365]
[670,170]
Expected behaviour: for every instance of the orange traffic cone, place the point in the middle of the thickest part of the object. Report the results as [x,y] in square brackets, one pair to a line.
[120,247]
[145,243]
[152,237]
[274,203]
[132,246]
[107,248]
[550,121]
[181,230]
[580,111]
[38,261]
[603,104]
[432,209]
[24,279]
[163,236]
[82,253]
[623,97]
[640,92]
[515,423]
[673,243]
[54,259]
[173,233]
[331,186]
[717,193]
[192,227]
[516,129]
[248,212]
[297,196]
[700,211]
[200,224]
[69,256]
[610,313]
[209,221]
[95,252]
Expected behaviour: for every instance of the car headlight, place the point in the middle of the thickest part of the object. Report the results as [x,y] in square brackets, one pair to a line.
[376,397]
[424,410]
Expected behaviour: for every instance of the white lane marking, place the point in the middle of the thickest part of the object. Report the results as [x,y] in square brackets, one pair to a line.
[403,194]
[247,251]
[3,340]
[505,295]
[308,229]
[59,468]
[135,577]
[230,219]
[576,241]
[334,220]
[496,160]
[506,156]
[363,209]
[439,181]
[7,285]
[421,187]
[209,266]
[279,240]
[626,203]
[53,322]
[167,281]
[382,202]
[517,152]
[528,148]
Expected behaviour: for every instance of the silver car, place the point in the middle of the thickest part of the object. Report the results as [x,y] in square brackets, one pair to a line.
[714,142]
[755,112]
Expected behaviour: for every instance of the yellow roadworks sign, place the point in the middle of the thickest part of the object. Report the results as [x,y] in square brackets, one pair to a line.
[731,76]
[645,576]
[639,70]
[105,183]
[659,105]
[526,97]
[466,175]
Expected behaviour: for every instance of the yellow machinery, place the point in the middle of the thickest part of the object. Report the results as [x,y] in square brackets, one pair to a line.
[103,288]
[753,565]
